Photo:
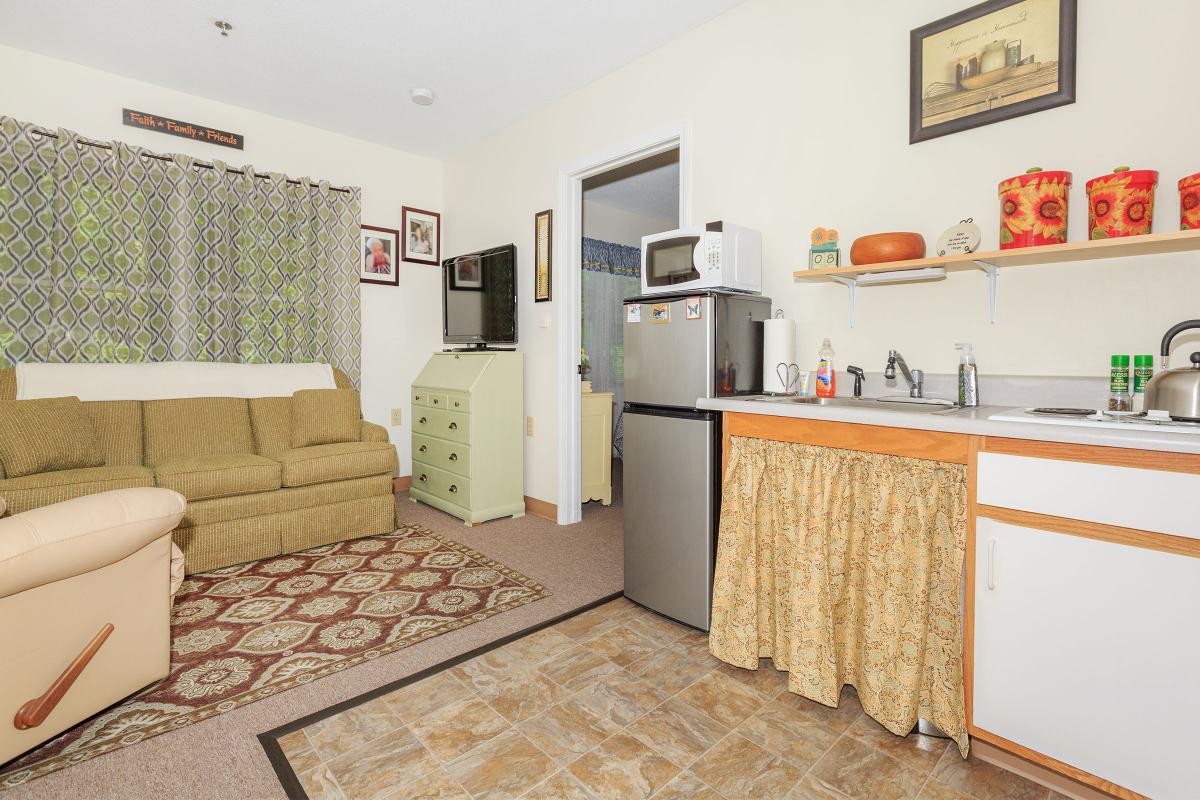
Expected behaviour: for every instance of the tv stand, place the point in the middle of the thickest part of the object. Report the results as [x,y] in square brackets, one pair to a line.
[480,348]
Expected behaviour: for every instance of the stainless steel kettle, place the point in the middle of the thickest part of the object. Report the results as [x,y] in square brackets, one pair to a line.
[1176,391]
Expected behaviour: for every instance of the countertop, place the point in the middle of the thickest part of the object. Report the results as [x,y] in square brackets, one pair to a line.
[967,421]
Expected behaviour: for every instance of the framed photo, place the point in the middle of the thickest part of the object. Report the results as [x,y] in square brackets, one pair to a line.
[543,254]
[422,236]
[994,61]
[466,274]
[377,254]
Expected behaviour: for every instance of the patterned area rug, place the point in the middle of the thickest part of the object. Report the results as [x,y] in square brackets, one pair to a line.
[253,630]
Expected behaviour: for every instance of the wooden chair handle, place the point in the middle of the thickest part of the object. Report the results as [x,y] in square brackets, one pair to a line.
[34,712]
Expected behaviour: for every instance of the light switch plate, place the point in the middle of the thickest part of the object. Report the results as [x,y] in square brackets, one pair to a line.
[396,418]
[529,426]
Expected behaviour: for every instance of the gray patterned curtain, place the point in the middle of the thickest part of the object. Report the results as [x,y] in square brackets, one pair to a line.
[611,272]
[108,254]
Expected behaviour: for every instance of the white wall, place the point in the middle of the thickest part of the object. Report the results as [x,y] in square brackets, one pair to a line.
[798,112]
[618,225]
[401,325]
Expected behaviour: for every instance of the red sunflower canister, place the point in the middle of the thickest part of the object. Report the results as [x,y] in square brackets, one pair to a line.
[1121,203]
[1033,209]
[1189,203]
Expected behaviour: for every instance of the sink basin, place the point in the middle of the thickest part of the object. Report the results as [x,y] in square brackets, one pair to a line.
[904,405]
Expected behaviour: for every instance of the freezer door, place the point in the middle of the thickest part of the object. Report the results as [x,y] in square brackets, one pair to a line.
[669,499]
[669,358]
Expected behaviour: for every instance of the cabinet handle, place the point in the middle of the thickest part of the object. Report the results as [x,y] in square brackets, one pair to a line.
[454,456]
[421,420]
[453,426]
[992,564]
[424,448]
[423,478]
[453,488]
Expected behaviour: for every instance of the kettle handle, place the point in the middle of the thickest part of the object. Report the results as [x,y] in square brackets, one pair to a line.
[1173,332]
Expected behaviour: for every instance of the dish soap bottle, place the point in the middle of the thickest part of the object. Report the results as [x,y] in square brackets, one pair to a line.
[826,374]
[968,377]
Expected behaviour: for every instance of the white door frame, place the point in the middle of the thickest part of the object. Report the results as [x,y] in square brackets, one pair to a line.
[569,254]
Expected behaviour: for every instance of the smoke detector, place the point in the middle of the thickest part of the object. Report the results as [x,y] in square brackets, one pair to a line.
[224,27]
[422,96]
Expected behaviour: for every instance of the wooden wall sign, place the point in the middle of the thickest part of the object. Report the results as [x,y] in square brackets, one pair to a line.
[188,130]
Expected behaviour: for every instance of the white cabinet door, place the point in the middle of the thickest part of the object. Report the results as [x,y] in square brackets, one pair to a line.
[1089,652]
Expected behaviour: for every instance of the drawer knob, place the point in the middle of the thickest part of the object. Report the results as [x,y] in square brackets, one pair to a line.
[453,488]
[416,397]
[435,401]
[421,420]
[423,478]
[424,448]
[453,426]
[457,404]
[454,456]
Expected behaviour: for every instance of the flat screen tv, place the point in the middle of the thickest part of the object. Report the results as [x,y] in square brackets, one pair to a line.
[479,298]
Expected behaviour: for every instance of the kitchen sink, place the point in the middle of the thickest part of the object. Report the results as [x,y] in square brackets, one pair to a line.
[904,405]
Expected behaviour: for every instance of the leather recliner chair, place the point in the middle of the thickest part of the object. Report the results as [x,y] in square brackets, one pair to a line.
[85,608]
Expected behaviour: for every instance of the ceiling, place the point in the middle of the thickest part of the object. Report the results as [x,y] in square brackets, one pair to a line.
[349,67]
[649,187]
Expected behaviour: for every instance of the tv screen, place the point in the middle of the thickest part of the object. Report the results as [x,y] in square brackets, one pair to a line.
[479,297]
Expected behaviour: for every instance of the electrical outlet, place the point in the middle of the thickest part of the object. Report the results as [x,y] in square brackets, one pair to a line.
[396,417]
[529,426]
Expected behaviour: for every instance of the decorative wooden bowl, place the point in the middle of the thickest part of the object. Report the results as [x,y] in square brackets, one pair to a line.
[879,248]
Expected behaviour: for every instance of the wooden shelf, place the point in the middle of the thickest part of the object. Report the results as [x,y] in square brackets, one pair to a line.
[1150,244]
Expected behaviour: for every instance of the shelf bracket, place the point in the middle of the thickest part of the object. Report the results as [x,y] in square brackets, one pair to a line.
[993,275]
[851,285]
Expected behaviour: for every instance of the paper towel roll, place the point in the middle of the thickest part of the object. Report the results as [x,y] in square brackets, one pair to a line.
[779,347]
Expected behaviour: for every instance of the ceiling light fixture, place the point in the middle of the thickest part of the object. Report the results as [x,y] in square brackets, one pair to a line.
[422,96]
[224,27]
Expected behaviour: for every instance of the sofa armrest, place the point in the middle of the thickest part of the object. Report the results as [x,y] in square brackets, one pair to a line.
[70,538]
[370,432]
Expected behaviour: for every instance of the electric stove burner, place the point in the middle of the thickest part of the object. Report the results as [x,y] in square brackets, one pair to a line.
[1064,412]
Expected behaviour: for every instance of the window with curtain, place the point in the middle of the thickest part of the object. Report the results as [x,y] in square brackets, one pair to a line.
[611,272]
[110,253]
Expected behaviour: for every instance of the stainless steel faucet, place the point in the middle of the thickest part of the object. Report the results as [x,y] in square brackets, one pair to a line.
[915,378]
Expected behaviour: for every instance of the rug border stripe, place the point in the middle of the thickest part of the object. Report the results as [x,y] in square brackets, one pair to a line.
[269,740]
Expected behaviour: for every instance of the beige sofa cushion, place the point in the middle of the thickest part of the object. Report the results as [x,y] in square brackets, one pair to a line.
[206,477]
[336,462]
[77,536]
[45,435]
[196,426]
[33,491]
[325,416]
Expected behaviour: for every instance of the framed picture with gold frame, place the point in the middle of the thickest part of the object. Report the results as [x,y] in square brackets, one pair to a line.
[991,62]
[543,254]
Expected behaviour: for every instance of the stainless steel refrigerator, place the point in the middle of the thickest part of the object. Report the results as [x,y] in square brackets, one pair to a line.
[679,348]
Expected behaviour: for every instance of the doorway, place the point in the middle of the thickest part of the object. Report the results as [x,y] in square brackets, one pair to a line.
[609,203]
[620,206]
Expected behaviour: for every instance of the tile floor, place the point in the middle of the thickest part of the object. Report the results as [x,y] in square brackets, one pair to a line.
[618,703]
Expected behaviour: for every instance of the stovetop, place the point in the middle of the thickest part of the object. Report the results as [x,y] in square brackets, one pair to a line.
[1098,419]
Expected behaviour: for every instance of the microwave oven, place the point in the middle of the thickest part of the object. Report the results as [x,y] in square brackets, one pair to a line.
[713,256]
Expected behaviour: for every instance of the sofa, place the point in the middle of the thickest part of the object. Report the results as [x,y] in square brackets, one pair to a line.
[250,493]
[85,608]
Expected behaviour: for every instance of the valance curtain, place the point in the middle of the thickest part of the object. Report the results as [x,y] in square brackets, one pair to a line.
[108,254]
[845,567]
[611,272]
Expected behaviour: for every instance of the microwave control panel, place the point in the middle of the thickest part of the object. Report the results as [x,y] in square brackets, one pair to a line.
[712,252]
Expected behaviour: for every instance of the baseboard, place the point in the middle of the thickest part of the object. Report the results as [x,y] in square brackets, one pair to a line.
[540,508]
[401,484]
[1060,783]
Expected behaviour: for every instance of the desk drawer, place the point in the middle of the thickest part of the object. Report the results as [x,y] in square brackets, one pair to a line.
[442,424]
[420,397]
[442,454]
[458,401]
[1129,497]
[446,485]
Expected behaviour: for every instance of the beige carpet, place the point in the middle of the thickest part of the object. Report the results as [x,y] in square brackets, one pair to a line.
[221,757]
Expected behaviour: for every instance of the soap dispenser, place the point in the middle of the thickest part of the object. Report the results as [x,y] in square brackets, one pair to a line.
[968,377]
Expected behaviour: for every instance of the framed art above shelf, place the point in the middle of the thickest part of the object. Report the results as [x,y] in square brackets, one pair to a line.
[992,262]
